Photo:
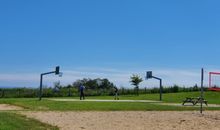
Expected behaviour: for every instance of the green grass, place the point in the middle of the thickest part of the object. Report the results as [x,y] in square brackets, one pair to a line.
[12,121]
[211,97]
[44,105]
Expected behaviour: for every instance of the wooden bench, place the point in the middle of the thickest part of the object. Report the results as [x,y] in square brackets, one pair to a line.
[194,101]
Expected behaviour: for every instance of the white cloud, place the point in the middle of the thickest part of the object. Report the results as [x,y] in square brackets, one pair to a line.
[120,77]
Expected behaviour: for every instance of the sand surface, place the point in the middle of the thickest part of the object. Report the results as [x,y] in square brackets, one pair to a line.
[131,120]
[7,107]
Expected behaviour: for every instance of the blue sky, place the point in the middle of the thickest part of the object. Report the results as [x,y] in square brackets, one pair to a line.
[111,39]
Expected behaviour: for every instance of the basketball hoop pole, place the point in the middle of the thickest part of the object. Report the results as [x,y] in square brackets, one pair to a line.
[149,76]
[161,88]
[56,72]
[202,92]
[210,79]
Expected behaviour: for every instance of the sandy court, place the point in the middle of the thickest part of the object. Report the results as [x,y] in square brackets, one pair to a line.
[130,120]
[7,107]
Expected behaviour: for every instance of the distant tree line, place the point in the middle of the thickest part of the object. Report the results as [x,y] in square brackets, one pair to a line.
[94,87]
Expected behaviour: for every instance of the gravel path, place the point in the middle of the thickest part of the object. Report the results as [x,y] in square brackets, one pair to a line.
[143,101]
[102,100]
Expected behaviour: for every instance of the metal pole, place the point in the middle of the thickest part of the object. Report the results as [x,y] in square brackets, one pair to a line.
[41,84]
[161,91]
[201,96]
[57,71]
[210,79]
[161,87]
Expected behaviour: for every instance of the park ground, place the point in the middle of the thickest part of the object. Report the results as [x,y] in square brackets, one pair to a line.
[93,113]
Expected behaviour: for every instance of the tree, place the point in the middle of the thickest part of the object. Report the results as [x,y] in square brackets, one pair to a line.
[69,90]
[2,93]
[136,80]
[57,87]
[195,87]
[175,88]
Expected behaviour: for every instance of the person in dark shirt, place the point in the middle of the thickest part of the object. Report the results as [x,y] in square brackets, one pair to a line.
[82,95]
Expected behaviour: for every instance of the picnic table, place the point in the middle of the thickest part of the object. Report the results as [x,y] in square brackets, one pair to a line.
[195,100]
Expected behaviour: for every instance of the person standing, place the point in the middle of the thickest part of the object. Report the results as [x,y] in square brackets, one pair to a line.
[116,93]
[82,95]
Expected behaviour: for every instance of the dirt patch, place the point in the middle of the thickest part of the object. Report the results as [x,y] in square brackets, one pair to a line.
[7,107]
[130,120]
